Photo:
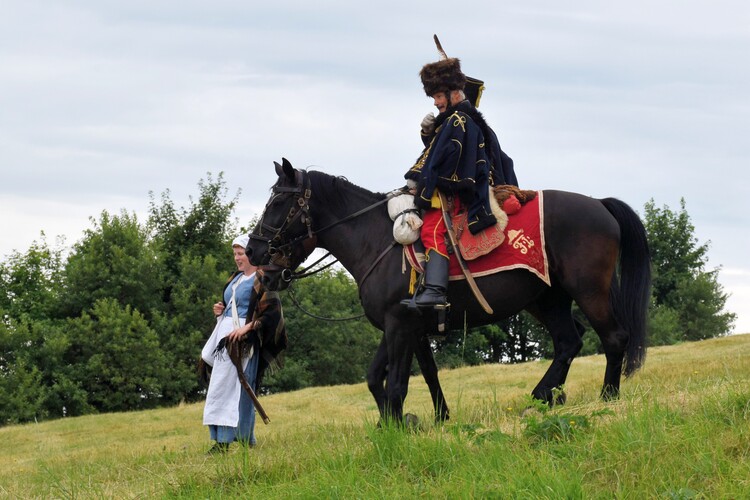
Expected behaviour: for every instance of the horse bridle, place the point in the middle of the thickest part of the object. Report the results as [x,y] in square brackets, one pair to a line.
[280,253]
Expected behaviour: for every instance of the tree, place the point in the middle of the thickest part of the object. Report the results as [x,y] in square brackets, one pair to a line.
[184,324]
[516,339]
[120,322]
[204,228]
[325,352]
[463,347]
[113,260]
[21,390]
[33,379]
[688,301]
[116,358]
[30,282]
[194,244]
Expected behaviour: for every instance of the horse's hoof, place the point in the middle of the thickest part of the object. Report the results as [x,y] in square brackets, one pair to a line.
[609,393]
[560,399]
[411,421]
[550,397]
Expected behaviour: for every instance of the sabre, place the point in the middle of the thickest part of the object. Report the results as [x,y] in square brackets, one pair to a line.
[454,243]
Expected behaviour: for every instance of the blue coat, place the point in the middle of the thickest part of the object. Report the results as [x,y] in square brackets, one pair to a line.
[456,161]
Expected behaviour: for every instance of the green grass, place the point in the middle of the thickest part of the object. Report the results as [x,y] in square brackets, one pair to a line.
[680,430]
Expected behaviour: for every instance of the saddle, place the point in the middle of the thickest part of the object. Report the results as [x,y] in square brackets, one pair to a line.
[523,245]
[511,199]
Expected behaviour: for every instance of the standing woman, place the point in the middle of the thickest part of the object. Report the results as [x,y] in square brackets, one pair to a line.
[250,315]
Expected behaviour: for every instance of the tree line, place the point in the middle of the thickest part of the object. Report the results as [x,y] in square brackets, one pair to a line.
[116,322]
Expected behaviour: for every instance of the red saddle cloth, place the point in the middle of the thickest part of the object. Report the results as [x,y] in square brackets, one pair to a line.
[523,247]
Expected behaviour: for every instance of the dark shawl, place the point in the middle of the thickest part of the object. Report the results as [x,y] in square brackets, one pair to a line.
[269,338]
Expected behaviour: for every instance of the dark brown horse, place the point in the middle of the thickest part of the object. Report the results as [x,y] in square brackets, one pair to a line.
[586,239]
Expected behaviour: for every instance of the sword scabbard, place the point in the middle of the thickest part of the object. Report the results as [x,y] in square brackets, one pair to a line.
[462,264]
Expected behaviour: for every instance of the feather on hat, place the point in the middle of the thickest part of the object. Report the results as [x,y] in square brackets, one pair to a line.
[443,75]
[446,75]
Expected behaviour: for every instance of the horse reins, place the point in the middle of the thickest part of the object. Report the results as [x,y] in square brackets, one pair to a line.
[304,193]
[280,255]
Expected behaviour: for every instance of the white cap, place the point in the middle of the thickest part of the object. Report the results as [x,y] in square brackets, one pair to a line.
[241,240]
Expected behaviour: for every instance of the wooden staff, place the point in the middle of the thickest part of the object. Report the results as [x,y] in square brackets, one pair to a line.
[235,355]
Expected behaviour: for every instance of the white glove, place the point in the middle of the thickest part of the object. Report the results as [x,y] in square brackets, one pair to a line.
[428,124]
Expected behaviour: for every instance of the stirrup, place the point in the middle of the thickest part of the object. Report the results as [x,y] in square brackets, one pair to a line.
[412,304]
[438,306]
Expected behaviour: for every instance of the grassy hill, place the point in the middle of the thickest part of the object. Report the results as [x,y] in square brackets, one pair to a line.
[680,430]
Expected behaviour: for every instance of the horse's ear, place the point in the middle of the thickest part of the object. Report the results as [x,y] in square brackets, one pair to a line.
[279,170]
[288,169]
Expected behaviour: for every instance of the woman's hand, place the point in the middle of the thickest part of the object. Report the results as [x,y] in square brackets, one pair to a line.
[236,335]
[218,309]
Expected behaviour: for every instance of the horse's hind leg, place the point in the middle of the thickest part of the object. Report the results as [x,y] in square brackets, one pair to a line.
[554,311]
[613,337]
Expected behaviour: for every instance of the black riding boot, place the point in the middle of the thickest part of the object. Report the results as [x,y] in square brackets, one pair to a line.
[434,293]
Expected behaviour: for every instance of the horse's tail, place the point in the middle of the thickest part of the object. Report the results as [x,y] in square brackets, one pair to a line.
[630,295]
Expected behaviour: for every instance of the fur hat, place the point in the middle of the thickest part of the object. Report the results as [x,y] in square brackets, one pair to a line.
[442,76]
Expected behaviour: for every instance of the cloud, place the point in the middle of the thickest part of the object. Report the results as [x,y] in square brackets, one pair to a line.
[105,101]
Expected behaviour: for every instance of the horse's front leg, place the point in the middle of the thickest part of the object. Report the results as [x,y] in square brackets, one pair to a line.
[376,376]
[400,346]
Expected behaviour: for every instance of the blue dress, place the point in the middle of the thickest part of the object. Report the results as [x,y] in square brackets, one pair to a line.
[229,411]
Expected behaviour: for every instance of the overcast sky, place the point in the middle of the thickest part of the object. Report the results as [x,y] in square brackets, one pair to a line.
[103,101]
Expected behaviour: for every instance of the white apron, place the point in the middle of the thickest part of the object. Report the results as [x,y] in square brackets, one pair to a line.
[223,396]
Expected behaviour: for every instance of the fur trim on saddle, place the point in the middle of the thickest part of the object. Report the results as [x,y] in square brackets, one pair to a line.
[499,213]
[505,191]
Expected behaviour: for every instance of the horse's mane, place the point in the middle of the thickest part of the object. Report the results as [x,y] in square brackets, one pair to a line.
[339,186]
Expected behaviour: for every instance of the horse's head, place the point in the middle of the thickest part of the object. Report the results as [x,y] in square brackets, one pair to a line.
[283,237]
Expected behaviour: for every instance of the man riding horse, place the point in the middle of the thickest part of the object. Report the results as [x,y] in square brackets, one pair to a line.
[594,254]
[462,158]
